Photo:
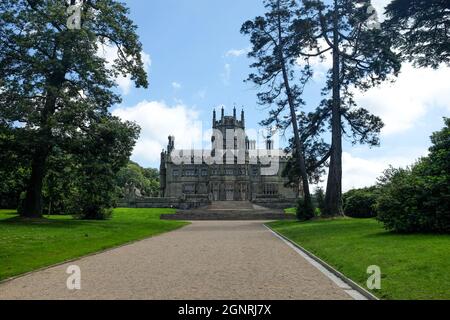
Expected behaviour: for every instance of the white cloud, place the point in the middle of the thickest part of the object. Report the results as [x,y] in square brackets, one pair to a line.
[159,120]
[125,84]
[109,53]
[237,52]
[403,103]
[379,5]
[226,74]
[147,60]
[176,85]
[358,172]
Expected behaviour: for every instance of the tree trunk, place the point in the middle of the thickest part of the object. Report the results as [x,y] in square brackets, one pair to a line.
[301,163]
[333,200]
[33,206]
[299,150]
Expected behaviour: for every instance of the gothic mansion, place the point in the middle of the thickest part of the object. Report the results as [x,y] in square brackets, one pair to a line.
[239,177]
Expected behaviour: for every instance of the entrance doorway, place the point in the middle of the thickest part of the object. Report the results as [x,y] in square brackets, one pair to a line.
[215,192]
[229,191]
[243,191]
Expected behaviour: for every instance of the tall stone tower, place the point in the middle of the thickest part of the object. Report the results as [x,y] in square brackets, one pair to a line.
[229,133]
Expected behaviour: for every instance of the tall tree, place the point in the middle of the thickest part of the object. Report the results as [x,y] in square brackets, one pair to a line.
[361,58]
[53,83]
[101,153]
[273,49]
[421,30]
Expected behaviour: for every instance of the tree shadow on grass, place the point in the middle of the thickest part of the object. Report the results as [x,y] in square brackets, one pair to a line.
[7,212]
[48,223]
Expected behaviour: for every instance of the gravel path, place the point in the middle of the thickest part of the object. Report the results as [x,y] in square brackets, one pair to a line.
[205,260]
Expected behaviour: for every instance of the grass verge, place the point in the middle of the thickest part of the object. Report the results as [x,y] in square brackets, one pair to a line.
[291,211]
[413,266]
[30,245]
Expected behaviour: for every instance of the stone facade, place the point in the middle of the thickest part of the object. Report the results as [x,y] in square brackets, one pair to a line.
[239,177]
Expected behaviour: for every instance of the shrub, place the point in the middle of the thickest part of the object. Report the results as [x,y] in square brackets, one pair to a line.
[318,212]
[417,199]
[92,212]
[360,203]
[410,202]
[97,192]
[305,212]
[319,201]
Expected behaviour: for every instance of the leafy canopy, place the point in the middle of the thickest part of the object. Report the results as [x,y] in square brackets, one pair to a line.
[421,30]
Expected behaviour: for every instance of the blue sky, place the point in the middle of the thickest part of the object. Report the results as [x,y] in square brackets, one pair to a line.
[188,42]
[197,61]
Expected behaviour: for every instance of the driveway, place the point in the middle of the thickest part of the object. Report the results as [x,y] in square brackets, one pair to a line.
[205,260]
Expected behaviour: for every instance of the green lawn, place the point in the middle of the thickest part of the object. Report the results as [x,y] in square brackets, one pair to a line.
[413,266]
[26,246]
[292,211]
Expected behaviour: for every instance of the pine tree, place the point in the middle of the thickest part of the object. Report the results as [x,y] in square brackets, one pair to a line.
[361,58]
[421,30]
[272,39]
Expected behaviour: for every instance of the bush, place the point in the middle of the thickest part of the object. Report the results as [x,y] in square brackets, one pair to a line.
[360,203]
[412,203]
[92,212]
[318,212]
[417,199]
[319,201]
[305,212]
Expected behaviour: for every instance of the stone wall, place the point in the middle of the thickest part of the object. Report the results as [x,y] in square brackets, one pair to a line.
[187,202]
[150,203]
[275,203]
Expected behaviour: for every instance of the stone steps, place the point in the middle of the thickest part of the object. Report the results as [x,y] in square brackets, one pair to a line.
[226,217]
[211,215]
[231,205]
[229,210]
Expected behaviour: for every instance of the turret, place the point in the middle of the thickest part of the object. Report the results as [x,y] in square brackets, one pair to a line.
[162,175]
[269,143]
[171,145]
[214,118]
[243,117]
